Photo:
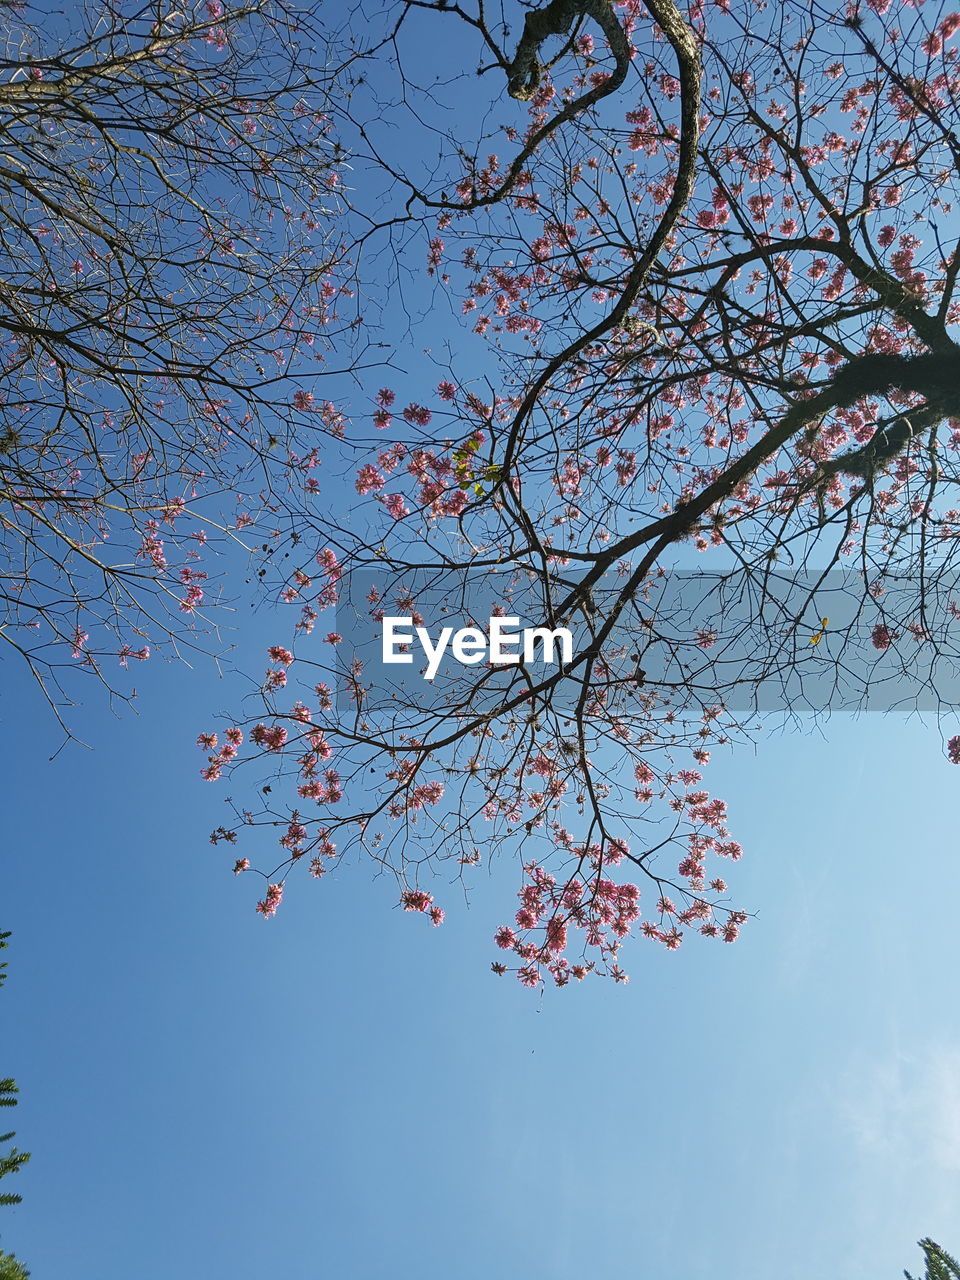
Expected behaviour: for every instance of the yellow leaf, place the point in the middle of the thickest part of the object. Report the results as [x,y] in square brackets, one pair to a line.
[817,638]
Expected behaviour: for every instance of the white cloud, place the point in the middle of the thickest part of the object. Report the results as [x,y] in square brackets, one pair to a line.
[907,1108]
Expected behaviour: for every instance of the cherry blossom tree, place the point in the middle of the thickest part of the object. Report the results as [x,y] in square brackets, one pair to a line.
[168,296]
[710,256]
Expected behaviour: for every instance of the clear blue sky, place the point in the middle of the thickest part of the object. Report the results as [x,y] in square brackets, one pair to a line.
[344,1091]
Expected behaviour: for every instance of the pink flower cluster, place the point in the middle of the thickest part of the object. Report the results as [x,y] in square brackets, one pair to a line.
[882,637]
[272,737]
[218,757]
[602,910]
[420,900]
[268,907]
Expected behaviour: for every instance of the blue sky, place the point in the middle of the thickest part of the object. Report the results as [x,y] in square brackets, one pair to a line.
[345,1091]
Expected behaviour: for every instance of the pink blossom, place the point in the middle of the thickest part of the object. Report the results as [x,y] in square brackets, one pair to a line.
[416,900]
[273,738]
[268,907]
[417,414]
[369,479]
[556,939]
[882,637]
[396,506]
[327,561]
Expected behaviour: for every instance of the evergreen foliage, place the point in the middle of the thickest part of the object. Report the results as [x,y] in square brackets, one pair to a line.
[11,1269]
[940,1265]
[12,1160]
